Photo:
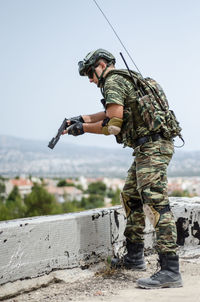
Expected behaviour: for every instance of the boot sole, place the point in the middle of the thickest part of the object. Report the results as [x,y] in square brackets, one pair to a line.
[165,285]
[135,268]
[129,267]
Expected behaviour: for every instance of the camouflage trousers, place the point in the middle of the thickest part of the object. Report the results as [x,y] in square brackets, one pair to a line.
[146,184]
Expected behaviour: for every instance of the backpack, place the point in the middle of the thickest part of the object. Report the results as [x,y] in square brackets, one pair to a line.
[153,105]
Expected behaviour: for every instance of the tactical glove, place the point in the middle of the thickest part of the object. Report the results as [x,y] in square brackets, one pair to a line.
[75,119]
[75,129]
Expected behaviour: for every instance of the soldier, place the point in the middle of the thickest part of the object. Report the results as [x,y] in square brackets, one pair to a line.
[145,189]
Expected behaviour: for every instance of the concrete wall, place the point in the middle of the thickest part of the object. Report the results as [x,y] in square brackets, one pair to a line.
[34,246]
[187,215]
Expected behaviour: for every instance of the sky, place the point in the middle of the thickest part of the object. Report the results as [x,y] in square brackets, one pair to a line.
[41,42]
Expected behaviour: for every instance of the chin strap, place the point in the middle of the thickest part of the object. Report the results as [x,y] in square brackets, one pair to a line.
[101,78]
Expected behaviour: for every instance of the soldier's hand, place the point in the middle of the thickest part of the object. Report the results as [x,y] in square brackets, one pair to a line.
[75,119]
[75,129]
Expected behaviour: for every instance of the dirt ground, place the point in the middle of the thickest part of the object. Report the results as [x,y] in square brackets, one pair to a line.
[120,286]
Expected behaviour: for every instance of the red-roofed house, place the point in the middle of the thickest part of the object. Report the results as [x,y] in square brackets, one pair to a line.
[60,193]
[24,185]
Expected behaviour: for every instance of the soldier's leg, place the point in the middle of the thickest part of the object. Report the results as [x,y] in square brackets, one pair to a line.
[134,230]
[151,169]
[131,199]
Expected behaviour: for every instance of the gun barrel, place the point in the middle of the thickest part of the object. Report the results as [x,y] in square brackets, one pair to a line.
[52,143]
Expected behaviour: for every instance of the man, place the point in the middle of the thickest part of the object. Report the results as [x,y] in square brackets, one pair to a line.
[145,189]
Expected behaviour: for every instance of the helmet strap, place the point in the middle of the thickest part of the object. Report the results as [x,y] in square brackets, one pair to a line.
[101,78]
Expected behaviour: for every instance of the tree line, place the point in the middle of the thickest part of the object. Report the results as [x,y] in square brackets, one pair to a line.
[40,202]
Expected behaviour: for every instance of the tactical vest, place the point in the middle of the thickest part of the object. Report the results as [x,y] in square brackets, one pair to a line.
[149,113]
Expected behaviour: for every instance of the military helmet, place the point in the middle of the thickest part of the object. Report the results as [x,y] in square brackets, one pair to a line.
[92,57]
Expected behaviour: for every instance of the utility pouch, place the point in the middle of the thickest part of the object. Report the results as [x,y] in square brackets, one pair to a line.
[151,114]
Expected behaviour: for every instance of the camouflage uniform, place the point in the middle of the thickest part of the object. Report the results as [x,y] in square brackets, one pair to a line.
[146,182]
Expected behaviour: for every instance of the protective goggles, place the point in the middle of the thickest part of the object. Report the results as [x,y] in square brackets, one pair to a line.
[90,72]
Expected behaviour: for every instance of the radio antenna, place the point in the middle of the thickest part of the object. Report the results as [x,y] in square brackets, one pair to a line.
[116,35]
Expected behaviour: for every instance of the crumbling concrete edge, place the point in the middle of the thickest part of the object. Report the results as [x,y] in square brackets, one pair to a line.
[33,247]
[13,289]
[96,235]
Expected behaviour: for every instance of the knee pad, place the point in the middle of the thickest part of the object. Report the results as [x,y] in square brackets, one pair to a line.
[130,204]
[154,213]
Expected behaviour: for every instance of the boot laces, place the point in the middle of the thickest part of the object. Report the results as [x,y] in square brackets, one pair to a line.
[157,272]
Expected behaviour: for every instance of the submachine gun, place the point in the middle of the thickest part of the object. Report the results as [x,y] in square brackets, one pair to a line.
[55,139]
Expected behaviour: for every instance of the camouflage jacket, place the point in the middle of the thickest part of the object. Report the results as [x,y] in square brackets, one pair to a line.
[119,89]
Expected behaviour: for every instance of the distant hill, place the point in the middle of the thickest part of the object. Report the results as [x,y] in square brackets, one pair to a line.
[21,156]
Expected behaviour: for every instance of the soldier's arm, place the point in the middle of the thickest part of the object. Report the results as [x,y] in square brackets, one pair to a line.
[112,111]
[93,118]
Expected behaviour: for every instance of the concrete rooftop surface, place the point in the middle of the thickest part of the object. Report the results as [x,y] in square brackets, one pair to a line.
[99,283]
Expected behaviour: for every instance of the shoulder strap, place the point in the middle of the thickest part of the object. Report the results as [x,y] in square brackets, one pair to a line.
[143,86]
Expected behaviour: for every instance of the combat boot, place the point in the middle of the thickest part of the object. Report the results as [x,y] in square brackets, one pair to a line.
[134,259]
[168,276]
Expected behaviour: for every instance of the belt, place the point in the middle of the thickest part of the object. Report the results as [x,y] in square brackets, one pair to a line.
[148,138]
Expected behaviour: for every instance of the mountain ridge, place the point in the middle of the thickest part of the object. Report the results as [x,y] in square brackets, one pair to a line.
[26,156]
